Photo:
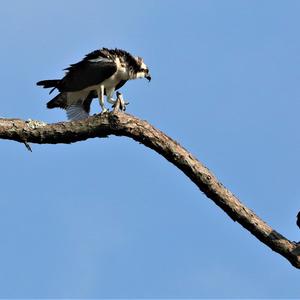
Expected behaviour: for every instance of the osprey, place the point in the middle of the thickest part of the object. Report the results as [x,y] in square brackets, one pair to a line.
[99,73]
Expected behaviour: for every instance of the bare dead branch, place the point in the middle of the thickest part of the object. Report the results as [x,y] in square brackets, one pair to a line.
[121,124]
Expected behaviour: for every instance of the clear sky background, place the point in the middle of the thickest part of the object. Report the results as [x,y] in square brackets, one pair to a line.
[111,218]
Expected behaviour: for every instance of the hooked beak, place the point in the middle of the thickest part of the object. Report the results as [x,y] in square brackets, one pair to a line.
[148,76]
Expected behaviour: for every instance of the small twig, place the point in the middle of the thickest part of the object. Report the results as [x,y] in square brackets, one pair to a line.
[27,146]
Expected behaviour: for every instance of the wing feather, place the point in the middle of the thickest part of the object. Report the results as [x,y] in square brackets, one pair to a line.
[87,73]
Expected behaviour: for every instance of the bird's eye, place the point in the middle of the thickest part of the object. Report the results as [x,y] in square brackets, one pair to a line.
[144,70]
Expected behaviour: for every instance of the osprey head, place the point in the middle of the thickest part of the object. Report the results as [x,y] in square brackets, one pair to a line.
[143,71]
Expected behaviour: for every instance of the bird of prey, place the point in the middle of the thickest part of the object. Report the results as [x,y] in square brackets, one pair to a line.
[99,73]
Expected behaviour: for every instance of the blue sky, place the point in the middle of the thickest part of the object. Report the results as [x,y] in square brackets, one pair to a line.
[111,218]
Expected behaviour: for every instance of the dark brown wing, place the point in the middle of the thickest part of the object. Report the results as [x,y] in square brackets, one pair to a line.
[87,73]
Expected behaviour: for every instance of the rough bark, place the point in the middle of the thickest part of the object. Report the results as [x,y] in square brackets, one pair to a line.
[121,124]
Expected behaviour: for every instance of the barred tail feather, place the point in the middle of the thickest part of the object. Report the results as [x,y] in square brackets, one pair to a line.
[76,112]
[77,108]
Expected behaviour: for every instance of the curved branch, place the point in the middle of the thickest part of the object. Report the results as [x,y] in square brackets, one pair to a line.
[121,124]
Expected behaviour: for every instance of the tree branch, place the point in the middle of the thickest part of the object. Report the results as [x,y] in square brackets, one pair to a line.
[121,124]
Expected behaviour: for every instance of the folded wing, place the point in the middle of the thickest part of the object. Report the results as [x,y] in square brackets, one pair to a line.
[87,73]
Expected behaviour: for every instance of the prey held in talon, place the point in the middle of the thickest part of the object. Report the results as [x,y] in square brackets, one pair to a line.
[123,103]
[100,73]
